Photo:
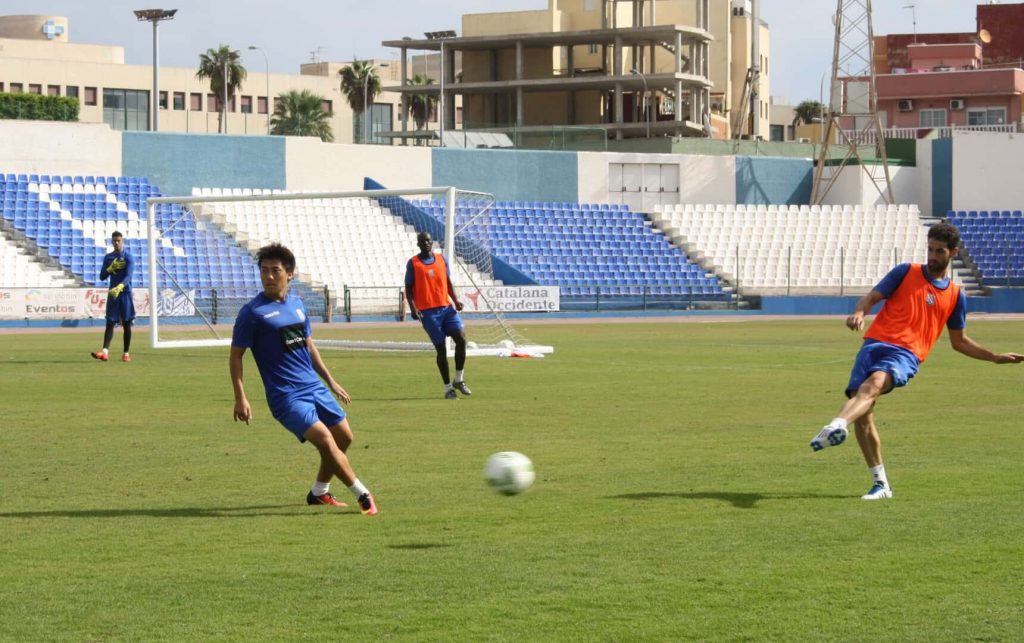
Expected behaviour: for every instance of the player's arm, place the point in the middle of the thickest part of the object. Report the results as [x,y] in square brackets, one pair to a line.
[321,369]
[242,411]
[864,305]
[105,269]
[410,281]
[964,344]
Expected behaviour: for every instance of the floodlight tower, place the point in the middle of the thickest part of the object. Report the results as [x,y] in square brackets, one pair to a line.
[853,102]
[155,16]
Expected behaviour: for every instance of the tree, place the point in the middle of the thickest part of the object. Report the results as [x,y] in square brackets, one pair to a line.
[421,106]
[301,113]
[360,84]
[212,65]
[809,111]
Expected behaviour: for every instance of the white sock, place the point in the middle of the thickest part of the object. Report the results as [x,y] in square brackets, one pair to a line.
[878,474]
[448,386]
[458,375]
[838,422]
[106,351]
[358,488]
[320,488]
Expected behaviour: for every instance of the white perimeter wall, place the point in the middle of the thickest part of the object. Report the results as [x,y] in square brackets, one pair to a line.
[987,171]
[855,186]
[48,147]
[311,164]
[702,179]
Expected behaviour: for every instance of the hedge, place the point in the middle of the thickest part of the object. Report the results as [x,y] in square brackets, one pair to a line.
[34,107]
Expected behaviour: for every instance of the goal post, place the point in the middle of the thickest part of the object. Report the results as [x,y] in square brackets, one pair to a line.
[351,251]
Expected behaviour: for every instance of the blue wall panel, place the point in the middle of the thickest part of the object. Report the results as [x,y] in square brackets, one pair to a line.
[178,162]
[942,176]
[768,180]
[509,175]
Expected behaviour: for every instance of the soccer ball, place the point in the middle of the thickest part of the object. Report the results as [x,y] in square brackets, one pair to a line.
[509,472]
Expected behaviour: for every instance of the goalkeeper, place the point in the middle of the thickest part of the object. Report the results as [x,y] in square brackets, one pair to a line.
[118,266]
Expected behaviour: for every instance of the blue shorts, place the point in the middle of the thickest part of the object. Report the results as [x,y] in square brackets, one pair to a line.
[300,410]
[440,322]
[874,356]
[121,308]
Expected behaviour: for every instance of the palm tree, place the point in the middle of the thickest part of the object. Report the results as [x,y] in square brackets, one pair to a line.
[422,105]
[809,111]
[360,84]
[301,113]
[212,65]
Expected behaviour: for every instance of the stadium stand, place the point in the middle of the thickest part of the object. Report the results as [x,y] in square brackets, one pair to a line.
[589,249]
[992,240]
[765,249]
[70,218]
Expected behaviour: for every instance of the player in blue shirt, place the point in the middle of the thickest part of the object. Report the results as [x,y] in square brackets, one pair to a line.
[118,266]
[274,325]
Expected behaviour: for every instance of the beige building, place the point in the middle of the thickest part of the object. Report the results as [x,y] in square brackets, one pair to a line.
[37,56]
[573,64]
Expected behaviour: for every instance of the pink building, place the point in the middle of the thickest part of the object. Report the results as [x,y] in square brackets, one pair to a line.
[946,86]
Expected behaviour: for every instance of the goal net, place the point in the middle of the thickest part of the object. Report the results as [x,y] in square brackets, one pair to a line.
[351,251]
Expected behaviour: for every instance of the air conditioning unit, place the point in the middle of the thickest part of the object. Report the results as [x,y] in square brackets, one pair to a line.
[803,140]
[957,103]
[905,105]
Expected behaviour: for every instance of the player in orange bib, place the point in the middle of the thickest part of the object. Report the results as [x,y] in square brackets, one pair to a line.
[919,301]
[432,300]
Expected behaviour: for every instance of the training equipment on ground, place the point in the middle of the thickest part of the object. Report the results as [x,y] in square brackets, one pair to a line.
[351,250]
[509,472]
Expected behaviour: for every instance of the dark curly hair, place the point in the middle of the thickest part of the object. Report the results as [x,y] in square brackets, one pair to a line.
[946,233]
[279,252]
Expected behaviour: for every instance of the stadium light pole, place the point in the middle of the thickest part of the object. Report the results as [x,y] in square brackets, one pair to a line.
[647,111]
[266,64]
[155,16]
[442,36]
[366,87]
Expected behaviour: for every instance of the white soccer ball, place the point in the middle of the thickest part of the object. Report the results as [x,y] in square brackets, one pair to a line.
[507,343]
[509,472]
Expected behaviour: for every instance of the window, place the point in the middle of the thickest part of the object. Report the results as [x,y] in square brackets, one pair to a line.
[179,100]
[261,104]
[212,104]
[16,88]
[35,88]
[932,118]
[327,106]
[1,87]
[246,105]
[592,49]
[90,95]
[196,102]
[163,100]
[126,109]
[381,118]
[53,90]
[986,116]
[71,91]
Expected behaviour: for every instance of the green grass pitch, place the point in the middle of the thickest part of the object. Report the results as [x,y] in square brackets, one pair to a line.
[676,495]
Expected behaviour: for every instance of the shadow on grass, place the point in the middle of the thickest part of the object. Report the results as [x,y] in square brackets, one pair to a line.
[416,546]
[736,499]
[173,512]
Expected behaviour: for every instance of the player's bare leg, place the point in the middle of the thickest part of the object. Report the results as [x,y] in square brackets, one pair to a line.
[860,403]
[334,462]
[871,446]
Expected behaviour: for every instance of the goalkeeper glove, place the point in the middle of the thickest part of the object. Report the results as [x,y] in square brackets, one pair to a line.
[115,265]
[116,291]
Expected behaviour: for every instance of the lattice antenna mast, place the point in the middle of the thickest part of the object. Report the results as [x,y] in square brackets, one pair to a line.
[853,101]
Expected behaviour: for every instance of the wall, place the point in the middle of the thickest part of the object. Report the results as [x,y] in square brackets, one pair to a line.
[773,180]
[855,186]
[312,165]
[708,179]
[986,171]
[178,162]
[942,175]
[47,147]
[924,176]
[522,175]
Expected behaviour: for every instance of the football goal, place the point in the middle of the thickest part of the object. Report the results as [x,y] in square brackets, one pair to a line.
[351,250]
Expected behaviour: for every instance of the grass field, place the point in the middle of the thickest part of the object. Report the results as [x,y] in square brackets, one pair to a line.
[676,496]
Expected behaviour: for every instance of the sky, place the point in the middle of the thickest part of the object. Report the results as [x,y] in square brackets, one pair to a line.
[345,30]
